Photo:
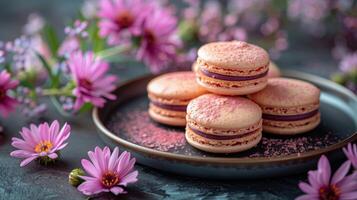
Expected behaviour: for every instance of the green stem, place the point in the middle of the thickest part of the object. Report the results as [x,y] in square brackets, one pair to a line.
[57,92]
[114,51]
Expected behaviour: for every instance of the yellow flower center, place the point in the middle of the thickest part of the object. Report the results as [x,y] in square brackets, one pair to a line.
[331,192]
[43,146]
[109,179]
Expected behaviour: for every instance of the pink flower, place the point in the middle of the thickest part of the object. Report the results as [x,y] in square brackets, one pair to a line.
[322,187]
[43,142]
[158,39]
[351,153]
[91,84]
[69,45]
[108,171]
[7,103]
[348,63]
[120,17]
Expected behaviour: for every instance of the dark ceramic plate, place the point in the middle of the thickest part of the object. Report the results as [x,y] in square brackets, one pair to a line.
[125,123]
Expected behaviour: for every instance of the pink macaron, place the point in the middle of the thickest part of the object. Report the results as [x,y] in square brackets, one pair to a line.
[289,106]
[169,95]
[223,124]
[232,68]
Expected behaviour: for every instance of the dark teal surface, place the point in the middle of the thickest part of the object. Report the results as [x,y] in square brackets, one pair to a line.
[37,182]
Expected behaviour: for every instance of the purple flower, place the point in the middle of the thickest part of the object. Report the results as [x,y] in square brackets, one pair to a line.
[89,9]
[158,40]
[42,142]
[322,187]
[308,11]
[349,63]
[7,103]
[88,73]
[34,25]
[108,171]
[2,56]
[118,18]
[210,22]
[351,153]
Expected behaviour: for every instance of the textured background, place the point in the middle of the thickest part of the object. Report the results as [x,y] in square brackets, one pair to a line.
[37,182]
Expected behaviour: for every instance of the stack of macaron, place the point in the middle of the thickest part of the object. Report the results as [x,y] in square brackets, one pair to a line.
[233,93]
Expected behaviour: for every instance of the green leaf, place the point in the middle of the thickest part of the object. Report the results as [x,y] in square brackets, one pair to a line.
[86,107]
[54,78]
[51,38]
[98,43]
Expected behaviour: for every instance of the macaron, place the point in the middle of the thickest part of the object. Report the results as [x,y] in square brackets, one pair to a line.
[223,124]
[274,70]
[194,67]
[289,106]
[169,95]
[232,68]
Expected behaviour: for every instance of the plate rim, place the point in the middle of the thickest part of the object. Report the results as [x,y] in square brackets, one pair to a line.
[230,161]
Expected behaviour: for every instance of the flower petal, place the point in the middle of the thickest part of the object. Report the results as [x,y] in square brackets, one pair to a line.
[89,168]
[324,170]
[349,196]
[117,190]
[21,154]
[130,178]
[53,155]
[307,197]
[341,172]
[307,188]
[113,159]
[27,161]
[91,187]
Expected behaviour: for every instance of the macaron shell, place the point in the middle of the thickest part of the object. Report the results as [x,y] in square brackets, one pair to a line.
[195,67]
[171,101]
[222,147]
[168,117]
[231,88]
[175,85]
[233,55]
[285,92]
[274,71]
[223,112]
[292,127]
[201,65]
[222,132]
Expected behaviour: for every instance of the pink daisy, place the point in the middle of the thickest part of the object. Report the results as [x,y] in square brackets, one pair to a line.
[351,153]
[158,39]
[7,103]
[108,171]
[42,142]
[92,85]
[322,187]
[120,17]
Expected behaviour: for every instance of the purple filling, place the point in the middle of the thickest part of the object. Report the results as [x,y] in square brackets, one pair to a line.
[232,78]
[170,107]
[290,117]
[219,137]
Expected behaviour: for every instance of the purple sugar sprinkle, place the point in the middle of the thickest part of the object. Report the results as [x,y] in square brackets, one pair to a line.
[276,147]
[141,130]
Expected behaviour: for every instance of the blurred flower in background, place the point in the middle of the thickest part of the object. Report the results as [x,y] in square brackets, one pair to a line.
[348,74]
[120,19]
[158,39]
[7,102]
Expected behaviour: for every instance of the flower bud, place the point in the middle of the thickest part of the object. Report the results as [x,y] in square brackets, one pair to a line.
[74,178]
